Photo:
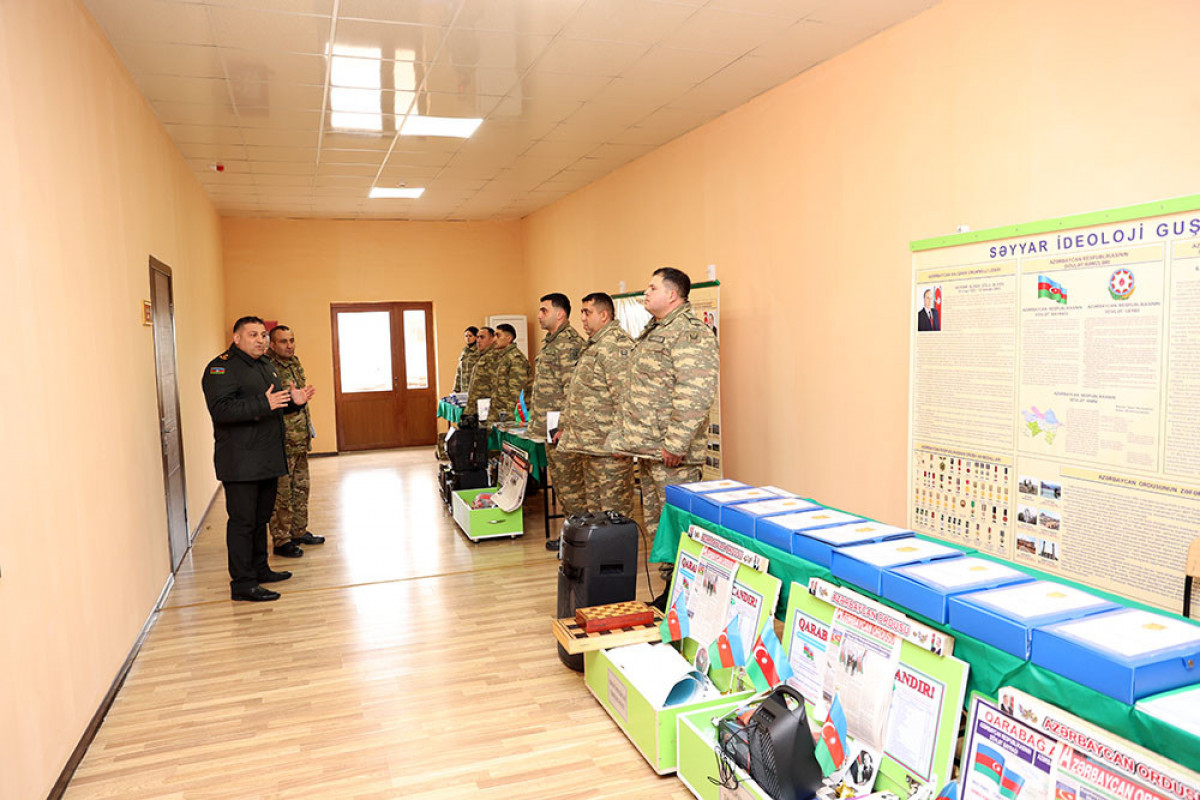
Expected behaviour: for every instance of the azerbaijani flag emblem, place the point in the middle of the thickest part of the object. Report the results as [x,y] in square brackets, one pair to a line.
[727,651]
[1051,289]
[675,625]
[831,748]
[1010,784]
[522,410]
[989,762]
[768,667]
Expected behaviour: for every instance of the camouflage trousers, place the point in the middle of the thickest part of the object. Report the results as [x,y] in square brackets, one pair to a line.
[609,483]
[656,476]
[290,519]
[566,476]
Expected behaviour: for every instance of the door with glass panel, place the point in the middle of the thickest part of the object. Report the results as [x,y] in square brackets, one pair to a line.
[384,392]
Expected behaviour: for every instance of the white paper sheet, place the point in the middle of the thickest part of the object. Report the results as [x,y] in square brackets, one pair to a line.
[780,492]
[814,519]
[1131,632]
[708,599]
[713,486]
[860,667]
[1181,709]
[482,407]
[739,496]
[898,551]
[552,418]
[778,506]
[958,573]
[854,532]
[662,675]
[1036,600]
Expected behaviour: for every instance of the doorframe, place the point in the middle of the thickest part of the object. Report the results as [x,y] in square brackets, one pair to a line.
[160,267]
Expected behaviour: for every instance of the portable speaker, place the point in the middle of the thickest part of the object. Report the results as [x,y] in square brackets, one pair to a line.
[783,759]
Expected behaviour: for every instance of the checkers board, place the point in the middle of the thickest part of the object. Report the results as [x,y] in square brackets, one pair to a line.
[614,615]
[574,639]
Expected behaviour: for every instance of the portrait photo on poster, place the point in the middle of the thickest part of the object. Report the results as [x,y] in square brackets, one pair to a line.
[929,314]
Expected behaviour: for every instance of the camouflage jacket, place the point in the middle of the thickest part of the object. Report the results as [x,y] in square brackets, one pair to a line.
[551,374]
[483,374]
[511,376]
[466,363]
[673,375]
[594,394]
[297,427]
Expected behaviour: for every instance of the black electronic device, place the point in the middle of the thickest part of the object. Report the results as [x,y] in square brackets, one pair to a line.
[599,566]
[782,756]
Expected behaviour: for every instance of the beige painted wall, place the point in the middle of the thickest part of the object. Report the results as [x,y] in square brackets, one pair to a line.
[978,112]
[92,186]
[291,270]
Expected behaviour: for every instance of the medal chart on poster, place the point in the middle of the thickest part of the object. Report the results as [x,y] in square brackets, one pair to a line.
[1055,398]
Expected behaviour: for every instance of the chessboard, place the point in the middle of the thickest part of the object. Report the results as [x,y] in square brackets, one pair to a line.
[574,639]
[614,615]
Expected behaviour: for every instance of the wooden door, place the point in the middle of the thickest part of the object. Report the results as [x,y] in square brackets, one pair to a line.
[383,374]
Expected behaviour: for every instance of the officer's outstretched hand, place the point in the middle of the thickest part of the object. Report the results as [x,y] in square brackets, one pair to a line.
[277,399]
[301,396]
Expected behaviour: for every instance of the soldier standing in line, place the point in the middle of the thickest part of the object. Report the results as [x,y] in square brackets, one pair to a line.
[511,374]
[483,373]
[247,402]
[552,371]
[672,384]
[466,360]
[289,523]
[600,380]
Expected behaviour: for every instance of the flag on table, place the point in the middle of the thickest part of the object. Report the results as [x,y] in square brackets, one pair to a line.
[990,762]
[674,625]
[948,792]
[727,651]
[522,410]
[831,748]
[767,666]
[1051,289]
[1010,784]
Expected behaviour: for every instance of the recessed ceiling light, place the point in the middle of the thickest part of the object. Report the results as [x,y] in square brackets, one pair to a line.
[382,192]
[457,127]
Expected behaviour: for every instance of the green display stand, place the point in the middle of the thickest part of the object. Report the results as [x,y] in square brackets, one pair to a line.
[697,749]
[484,523]
[653,730]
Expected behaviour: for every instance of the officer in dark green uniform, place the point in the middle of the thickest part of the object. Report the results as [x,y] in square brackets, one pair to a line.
[247,401]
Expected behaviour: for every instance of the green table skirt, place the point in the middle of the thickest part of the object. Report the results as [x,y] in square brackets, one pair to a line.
[991,668]
[536,451]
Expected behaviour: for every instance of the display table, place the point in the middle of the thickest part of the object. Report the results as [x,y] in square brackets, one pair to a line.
[534,451]
[991,668]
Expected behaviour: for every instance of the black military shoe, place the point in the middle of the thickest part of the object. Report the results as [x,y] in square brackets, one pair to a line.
[274,577]
[289,550]
[255,594]
[552,545]
[309,538]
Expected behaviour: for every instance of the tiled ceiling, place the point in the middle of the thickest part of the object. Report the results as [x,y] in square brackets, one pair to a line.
[568,90]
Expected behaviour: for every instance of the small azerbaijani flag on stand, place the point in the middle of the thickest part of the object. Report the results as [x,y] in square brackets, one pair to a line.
[1010,784]
[937,305]
[675,625]
[1051,289]
[522,410]
[831,747]
[768,666]
[727,650]
[989,761]
[948,792]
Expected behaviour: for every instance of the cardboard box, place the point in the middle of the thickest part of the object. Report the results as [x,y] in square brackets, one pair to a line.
[484,523]
[1005,617]
[863,564]
[779,531]
[708,505]
[817,544]
[680,495]
[1126,654]
[926,588]
[743,517]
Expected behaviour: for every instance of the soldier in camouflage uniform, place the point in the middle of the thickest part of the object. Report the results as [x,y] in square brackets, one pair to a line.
[466,360]
[289,523]
[672,384]
[483,372]
[511,375]
[594,394]
[552,371]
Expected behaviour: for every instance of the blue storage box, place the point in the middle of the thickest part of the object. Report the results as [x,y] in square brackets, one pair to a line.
[743,516]
[817,545]
[863,564]
[1126,654]
[927,588]
[779,531]
[680,495]
[708,506]
[1005,617]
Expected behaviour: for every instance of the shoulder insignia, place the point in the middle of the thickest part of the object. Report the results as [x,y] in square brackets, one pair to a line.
[224,356]
[216,370]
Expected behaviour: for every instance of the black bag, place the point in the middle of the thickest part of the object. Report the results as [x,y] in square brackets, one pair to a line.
[468,449]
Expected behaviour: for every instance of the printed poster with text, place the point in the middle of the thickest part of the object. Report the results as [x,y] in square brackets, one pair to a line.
[1055,400]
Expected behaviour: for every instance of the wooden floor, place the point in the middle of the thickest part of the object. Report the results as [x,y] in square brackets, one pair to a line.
[402,661]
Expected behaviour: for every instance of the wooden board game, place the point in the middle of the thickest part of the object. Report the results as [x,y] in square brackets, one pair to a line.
[614,615]
[574,639]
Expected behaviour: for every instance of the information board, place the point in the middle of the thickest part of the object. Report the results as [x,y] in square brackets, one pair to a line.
[1055,395]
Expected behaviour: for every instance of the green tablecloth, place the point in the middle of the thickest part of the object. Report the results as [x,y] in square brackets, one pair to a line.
[536,451]
[991,668]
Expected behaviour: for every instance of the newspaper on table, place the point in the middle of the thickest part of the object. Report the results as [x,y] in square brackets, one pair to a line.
[512,478]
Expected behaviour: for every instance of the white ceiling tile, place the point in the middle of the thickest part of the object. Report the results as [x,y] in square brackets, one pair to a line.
[356,141]
[231,166]
[590,57]
[295,181]
[635,21]
[646,133]
[327,170]
[410,173]
[355,158]
[289,6]
[421,12]
[274,137]
[285,168]
[564,151]
[195,113]
[492,49]
[875,14]
[213,152]
[257,66]
[642,92]
[784,9]
[270,30]
[389,41]
[203,134]
[594,130]
[541,84]
[809,42]
[607,115]
[152,21]
[671,64]
[522,16]
[271,153]
[209,179]
[419,159]
[282,119]
[157,58]
[183,89]
[719,31]
[453,79]
[535,112]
